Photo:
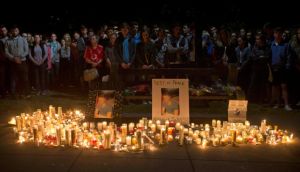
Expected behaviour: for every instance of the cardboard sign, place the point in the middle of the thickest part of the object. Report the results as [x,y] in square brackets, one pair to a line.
[237,110]
[170,100]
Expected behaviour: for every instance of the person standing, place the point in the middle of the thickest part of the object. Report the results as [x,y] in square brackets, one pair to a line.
[55,58]
[16,49]
[3,61]
[38,56]
[279,65]
[94,57]
[65,59]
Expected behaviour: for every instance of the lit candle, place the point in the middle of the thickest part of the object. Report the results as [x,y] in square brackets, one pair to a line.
[181,135]
[99,126]
[104,125]
[18,122]
[214,123]
[153,128]
[92,126]
[167,123]
[150,123]
[107,144]
[247,124]
[177,126]
[85,125]
[263,125]
[128,140]
[198,141]
[59,112]
[123,133]
[58,136]
[219,125]
[162,135]
[131,127]
[139,138]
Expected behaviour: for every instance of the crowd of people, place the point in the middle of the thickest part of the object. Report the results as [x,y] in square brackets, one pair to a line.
[265,63]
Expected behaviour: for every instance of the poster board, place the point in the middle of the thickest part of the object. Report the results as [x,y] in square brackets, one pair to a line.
[237,110]
[170,100]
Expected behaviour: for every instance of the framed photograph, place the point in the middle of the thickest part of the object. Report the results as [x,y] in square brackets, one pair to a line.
[237,110]
[101,104]
[170,100]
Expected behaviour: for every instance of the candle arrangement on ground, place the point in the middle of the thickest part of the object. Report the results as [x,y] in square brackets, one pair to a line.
[69,129]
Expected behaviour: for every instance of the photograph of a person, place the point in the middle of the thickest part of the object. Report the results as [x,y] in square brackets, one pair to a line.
[170,101]
[104,104]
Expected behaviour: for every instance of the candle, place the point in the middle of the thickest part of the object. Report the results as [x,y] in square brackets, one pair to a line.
[167,123]
[263,125]
[68,137]
[99,126]
[153,128]
[139,138]
[104,125]
[107,144]
[58,136]
[162,135]
[18,122]
[177,126]
[73,137]
[204,143]
[150,123]
[239,139]
[247,124]
[85,126]
[198,141]
[128,140]
[131,127]
[214,123]
[218,124]
[158,122]
[170,130]
[123,133]
[59,112]
[181,135]
[92,126]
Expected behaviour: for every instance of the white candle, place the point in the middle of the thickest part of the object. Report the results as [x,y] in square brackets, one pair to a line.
[167,123]
[214,123]
[131,127]
[181,135]
[153,128]
[177,126]
[128,140]
[99,126]
[104,125]
[59,112]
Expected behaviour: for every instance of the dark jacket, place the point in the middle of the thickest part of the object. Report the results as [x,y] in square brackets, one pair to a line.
[145,54]
[119,49]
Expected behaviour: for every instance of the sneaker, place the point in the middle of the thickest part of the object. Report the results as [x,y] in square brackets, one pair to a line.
[288,108]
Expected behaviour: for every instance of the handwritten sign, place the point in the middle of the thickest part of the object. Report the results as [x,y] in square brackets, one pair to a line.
[170,100]
[237,110]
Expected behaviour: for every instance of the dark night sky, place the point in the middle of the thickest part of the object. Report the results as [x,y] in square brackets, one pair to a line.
[56,16]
